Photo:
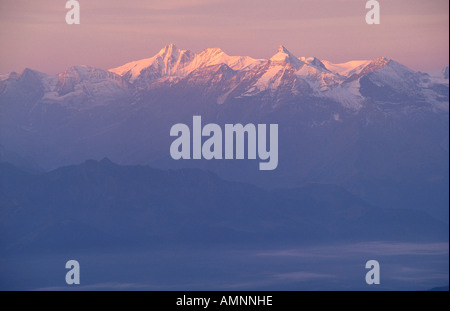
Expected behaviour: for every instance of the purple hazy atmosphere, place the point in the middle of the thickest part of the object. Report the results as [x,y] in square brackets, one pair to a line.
[112,32]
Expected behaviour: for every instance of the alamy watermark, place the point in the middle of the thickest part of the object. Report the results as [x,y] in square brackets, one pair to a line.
[373,15]
[73,275]
[235,134]
[73,15]
[373,275]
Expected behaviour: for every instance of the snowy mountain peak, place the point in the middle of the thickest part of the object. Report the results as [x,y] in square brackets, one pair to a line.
[282,49]
[314,61]
[212,51]
[215,56]
[346,69]
[380,61]
[170,51]
[283,56]
[374,66]
[377,64]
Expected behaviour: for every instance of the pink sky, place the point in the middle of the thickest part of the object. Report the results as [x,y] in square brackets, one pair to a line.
[112,32]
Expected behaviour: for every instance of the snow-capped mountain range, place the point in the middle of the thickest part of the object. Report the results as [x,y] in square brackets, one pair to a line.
[303,75]
[283,75]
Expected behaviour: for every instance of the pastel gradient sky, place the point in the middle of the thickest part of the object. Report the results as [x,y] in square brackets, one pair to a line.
[112,32]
